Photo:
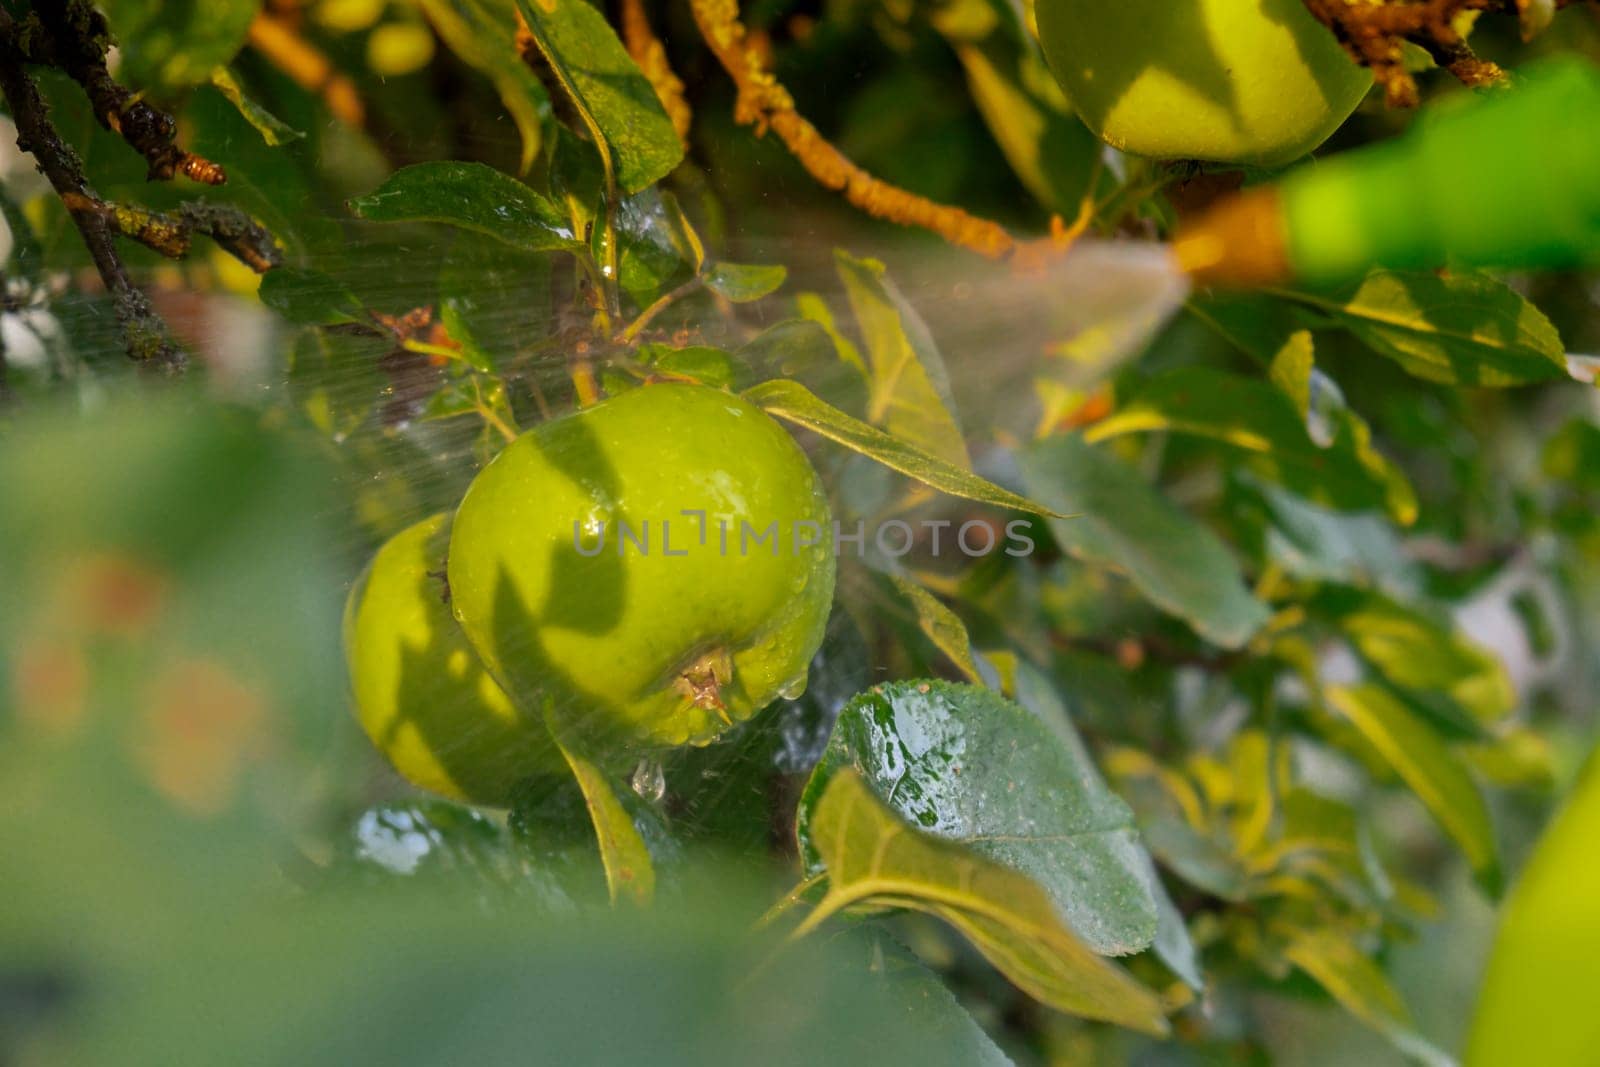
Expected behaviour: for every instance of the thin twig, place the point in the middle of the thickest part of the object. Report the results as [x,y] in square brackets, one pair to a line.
[144,334]
[75,40]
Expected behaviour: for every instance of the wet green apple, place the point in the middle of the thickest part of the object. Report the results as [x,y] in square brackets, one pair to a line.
[1256,82]
[649,571]
[421,693]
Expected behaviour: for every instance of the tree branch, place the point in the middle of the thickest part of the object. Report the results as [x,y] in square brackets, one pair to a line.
[764,103]
[143,332]
[75,41]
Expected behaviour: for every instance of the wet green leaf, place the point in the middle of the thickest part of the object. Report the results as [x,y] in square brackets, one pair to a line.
[607,87]
[967,765]
[1428,768]
[871,856]
[472,197]
[1126,525]
[794,402]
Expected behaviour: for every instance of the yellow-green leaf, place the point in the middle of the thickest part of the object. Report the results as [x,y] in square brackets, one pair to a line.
[872,856]
[797,404]
[1428,768]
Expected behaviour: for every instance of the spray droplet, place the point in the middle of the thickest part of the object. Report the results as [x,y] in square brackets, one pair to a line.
[649,780]
[793,689]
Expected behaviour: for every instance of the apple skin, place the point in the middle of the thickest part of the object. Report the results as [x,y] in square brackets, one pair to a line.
[627,649]
[1537,1000]
[420,692]
[1255,82]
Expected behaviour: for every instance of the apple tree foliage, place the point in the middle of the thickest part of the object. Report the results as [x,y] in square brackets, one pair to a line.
[1231,765]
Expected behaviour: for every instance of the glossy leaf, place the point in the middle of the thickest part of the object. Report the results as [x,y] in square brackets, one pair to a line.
[909,392]
[1125,525]
[871,855]
[607,87]
[1462,329]
[1428,768]
[950,759]
[472,197]
[795,403]
[1259,420]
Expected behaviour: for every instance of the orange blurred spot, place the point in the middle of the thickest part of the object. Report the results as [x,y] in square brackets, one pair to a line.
[51,685]
[201,728]
[113,594]
[1089,412]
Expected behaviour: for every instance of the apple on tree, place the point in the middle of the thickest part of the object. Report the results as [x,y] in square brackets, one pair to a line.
[1256,82]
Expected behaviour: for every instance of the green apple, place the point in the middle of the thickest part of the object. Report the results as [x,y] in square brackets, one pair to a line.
[1537,1002]
[1257,82]
[421,693]
[648,571]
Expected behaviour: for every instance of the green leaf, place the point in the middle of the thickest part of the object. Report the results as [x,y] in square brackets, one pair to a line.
[1328,546]
[483,34]
[1291,370]
[932,1009]
[1462,329]
[609,90]
[1259,420]
[630,872]
[1349,975]
[1124,524]
[968,766]
[649,244]
[170,46]
[909,391]
[272,129]
[743,283]
[941,626]
[472,197]
[1427,657]
[794,402]
[1428,768]
[872,856]
[1052,153]
[309,297]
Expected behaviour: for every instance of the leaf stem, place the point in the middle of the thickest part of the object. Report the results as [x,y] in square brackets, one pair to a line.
[666,300]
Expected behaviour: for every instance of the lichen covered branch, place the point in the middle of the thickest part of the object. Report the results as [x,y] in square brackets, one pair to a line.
[1375,35]
[144,334]
[765,104]
[651,55]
